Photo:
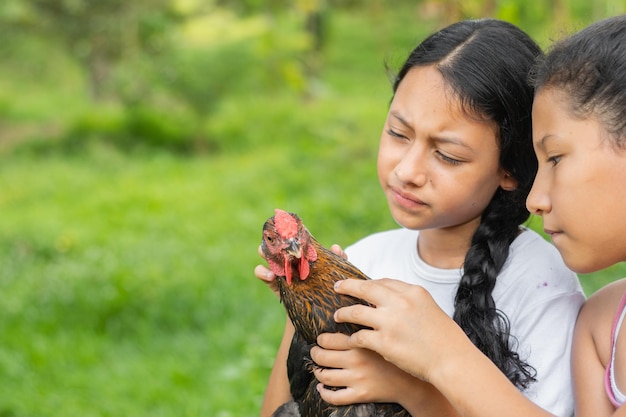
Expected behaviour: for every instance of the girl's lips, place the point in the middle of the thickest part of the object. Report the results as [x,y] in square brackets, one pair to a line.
[406,200]
[552,233]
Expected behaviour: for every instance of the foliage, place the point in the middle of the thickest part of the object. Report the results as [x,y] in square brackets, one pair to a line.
[99,34]
[201,77]
[166,98]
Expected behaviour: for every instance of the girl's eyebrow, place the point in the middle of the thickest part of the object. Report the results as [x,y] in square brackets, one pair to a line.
[401,119]
[439,139]
[541,143]
[452,141]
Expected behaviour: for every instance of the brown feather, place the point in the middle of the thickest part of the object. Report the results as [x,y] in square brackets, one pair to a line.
[312,302]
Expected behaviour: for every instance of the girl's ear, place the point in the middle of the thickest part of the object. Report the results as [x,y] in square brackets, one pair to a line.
[508,183]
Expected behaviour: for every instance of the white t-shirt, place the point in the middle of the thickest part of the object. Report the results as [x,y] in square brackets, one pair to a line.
[539,295]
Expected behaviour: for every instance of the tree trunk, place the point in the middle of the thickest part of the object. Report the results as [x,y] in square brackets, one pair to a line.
[99,68]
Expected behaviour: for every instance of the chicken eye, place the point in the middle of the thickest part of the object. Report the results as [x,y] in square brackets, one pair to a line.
[269,239]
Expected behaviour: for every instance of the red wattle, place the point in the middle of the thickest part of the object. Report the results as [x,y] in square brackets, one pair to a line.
[304,269]
[287,270]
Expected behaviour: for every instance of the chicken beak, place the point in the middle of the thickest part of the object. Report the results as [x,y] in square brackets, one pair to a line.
[294,249]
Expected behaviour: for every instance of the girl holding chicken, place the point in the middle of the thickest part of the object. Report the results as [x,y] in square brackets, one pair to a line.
[579,136]
[456,164]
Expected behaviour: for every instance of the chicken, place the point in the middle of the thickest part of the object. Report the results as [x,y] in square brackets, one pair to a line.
[305,275]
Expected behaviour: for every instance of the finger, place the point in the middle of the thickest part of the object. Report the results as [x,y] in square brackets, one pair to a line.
[364,338]
[331,377]
[260,251]
[338,251]
[373,291]
[369,291]
[264,273]
[343,396]
[335,341]
[358,314]
[328,358]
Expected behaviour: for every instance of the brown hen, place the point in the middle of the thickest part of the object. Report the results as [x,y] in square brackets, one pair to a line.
[305,274]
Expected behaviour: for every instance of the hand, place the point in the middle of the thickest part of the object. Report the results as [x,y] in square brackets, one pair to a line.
[338,251]
[264,274]
[407,327]
[366,376]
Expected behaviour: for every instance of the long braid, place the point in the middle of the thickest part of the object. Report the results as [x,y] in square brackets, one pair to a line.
[475,310]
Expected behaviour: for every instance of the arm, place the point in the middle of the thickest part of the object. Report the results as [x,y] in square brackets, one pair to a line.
[480,389]
[588,372]
[367,377]
[411,331]
[590,354]
[543,326]
[277,391]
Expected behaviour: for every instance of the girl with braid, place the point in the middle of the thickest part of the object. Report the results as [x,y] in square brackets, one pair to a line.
[579,137]
[456,164]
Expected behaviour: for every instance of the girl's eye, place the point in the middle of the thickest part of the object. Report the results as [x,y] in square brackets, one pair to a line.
[554,159]
[395,134]
[448,160]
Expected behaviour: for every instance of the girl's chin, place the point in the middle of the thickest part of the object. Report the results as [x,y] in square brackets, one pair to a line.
[405,221]
[582,264]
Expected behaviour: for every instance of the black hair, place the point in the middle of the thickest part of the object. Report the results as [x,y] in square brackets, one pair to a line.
[485,64]
[590,68]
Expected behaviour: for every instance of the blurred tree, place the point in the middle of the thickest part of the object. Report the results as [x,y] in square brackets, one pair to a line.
[315,23]
[97,33]
[313,15]
[554,13]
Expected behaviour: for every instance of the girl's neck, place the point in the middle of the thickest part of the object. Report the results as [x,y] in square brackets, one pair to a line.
[445,248]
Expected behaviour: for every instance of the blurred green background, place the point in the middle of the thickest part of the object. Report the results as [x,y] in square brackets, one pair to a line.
[143,144]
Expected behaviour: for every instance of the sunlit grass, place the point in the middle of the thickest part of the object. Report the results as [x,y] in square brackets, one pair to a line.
[126,283]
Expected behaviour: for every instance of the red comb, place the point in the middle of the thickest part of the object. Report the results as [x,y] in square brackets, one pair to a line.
[286,225]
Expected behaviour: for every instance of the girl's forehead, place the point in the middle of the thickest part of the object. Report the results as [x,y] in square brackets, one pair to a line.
[424,89]
[551,101]
[432,108]
[426,85]
[554,123]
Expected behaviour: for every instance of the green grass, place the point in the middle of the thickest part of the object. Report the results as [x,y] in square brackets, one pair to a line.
[126,285]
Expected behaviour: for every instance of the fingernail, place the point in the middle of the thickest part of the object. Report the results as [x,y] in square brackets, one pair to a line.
[337,284]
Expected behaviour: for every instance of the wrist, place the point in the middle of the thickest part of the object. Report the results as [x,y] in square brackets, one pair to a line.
[475,386]
[453,353]
[426,400]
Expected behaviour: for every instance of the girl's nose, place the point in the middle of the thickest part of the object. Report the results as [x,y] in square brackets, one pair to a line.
[412,167]
[538,201]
